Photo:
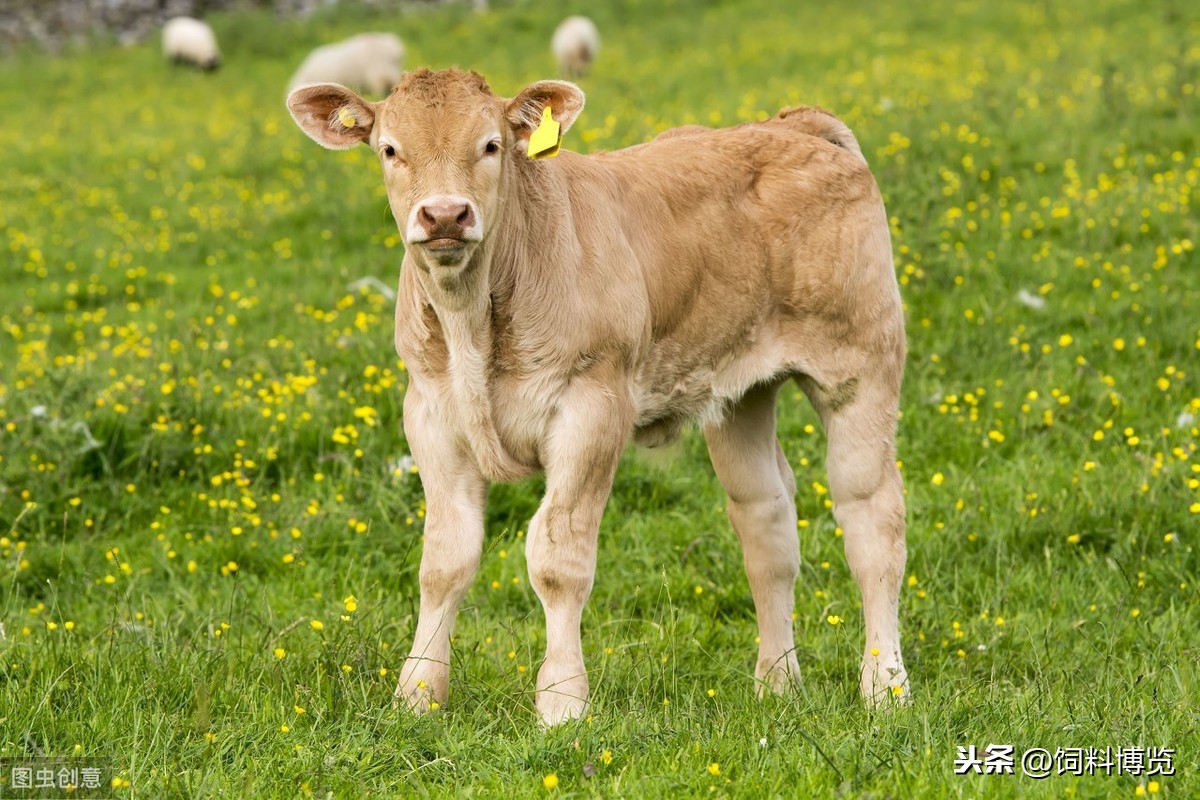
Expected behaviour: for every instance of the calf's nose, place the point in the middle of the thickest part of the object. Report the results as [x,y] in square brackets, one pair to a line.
[441,217]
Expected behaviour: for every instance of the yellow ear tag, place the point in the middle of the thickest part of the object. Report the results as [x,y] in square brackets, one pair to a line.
[544,142]
[346,118]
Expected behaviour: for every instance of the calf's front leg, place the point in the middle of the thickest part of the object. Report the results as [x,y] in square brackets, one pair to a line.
[580,456]
[455,495]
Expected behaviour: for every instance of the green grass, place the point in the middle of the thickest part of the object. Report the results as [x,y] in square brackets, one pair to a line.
[199,422]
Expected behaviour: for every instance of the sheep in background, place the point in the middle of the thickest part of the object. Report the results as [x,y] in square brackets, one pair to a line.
[575,44]
[187,40]
[370,62]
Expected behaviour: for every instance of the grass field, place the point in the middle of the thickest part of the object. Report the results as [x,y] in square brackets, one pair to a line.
[210,534]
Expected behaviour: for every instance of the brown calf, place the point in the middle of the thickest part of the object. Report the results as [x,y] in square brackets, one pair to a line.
[549,309]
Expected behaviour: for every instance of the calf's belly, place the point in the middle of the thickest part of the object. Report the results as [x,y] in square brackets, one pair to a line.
[704,393]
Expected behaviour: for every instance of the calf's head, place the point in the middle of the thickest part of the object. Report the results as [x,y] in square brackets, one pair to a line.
[447,146]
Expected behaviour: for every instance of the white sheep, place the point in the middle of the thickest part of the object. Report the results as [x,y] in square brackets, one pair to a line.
[370,62]
[187,40]
[575,44]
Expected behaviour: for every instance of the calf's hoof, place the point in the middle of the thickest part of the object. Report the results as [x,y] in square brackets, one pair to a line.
[778,676]
[884,682]
[563,699]
[416,700]
[554,708]
[422,688]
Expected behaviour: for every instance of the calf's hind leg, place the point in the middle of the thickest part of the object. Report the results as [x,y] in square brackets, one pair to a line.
[868,498]
[762,507]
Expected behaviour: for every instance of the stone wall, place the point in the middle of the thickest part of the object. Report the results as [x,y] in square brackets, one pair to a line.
[55,23]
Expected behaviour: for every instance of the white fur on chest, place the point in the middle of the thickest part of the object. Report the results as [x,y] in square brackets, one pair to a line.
[465,395]
[502,419]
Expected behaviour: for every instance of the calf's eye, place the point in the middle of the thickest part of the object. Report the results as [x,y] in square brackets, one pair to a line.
[492,147]
[389,151]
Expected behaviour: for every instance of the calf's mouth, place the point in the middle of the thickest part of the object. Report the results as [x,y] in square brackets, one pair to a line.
[444,243]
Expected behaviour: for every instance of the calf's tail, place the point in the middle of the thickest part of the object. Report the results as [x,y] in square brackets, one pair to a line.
[818,122]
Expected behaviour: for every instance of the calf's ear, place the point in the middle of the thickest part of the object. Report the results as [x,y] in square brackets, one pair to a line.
[332,115]
[524,112]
